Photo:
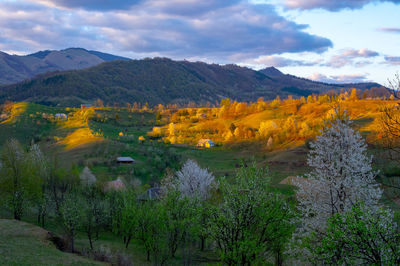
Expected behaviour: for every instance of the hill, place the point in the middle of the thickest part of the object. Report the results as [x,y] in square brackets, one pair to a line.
[26,244]
[162,80]
[14,68]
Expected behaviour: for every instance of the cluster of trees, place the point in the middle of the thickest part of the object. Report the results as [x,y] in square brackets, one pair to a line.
[291,120]
[343,219]
[249,223]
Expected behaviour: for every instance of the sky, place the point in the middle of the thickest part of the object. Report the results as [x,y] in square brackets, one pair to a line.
[335,41]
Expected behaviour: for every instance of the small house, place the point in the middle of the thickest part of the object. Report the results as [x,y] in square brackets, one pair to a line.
[125,160]
[86,105]
[61,116]
[205,143]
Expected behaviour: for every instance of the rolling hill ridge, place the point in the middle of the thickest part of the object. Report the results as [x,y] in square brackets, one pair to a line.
[162,80]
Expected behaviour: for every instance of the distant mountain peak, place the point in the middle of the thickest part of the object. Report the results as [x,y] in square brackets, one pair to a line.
[40,54]
[271,71]
[18,68]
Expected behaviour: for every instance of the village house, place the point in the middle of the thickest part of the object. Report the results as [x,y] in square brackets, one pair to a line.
[125,160]
[61,116]
[86,105]
[205,143]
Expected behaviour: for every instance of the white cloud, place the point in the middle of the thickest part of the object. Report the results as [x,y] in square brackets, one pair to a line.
[347,57]
[343,78]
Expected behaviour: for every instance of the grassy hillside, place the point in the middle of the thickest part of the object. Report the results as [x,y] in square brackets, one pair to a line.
[26,244]
[162,80]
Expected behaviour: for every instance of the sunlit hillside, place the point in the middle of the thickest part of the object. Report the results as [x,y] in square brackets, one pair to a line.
[276,124]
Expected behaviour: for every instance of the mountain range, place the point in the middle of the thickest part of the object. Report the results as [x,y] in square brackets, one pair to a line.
[116,79]
[15,68]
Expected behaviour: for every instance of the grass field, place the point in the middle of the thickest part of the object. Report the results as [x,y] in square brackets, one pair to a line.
[26,244]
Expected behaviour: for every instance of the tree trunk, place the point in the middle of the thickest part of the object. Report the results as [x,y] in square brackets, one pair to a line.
[127,241]
[203,240]
[90,240]
[72,243]
[43,215]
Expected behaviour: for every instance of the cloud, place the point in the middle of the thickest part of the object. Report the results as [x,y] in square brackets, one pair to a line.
[189,7]
[217,30]
[181,7]
[339,79]
[278,61]
[331,5]
[37,27]
[392,60]
[90,4]
[243,29]
[392,30]
[348,57]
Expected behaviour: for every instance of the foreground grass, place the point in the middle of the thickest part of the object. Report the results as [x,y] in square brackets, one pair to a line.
[26,244]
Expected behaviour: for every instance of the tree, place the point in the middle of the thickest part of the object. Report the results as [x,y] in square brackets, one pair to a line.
[353,95]
[87,177]
[18,181]
[394,86]
[60,183]
[94,212]
[360,237]
[192,180]
[149,227]
[72,215]
[182,214]
[171,129]
[251,222]
[41,169]
[127,222]
[341,175]
[391,121]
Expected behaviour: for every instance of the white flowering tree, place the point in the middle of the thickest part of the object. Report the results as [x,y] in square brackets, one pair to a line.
[192,180]
[87,177]
[341,175]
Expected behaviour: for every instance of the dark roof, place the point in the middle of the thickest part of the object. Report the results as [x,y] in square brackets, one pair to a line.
[125,159]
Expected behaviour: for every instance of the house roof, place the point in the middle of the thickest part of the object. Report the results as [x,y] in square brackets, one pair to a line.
[206,140]
[125,159]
